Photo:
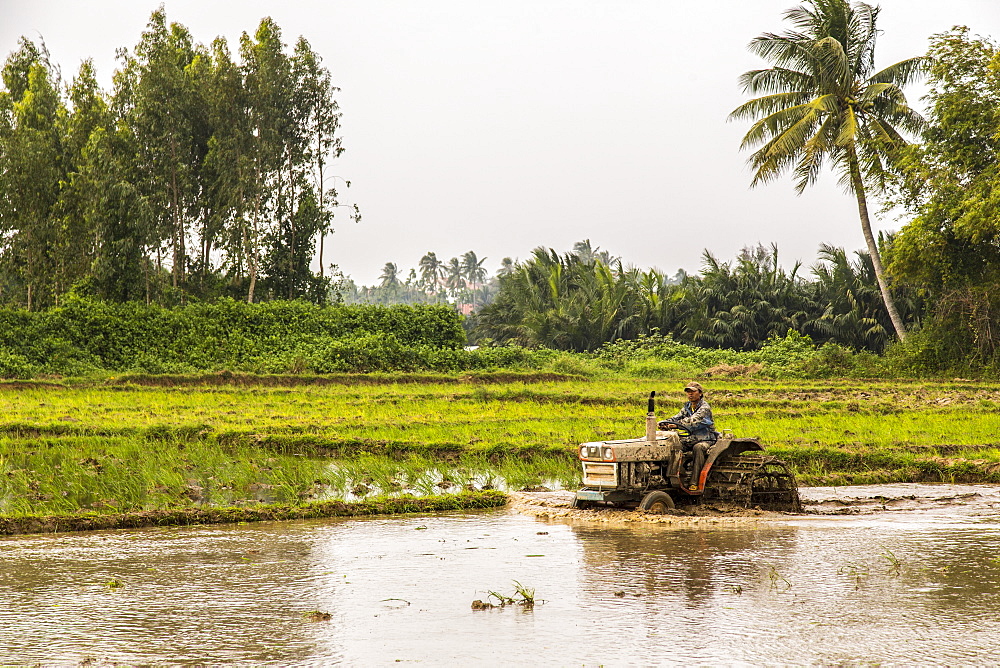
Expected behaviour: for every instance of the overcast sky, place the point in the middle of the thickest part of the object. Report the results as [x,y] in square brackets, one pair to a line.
[501,126]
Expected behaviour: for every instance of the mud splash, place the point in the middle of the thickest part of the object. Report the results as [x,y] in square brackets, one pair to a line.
[816,501]
[558,504]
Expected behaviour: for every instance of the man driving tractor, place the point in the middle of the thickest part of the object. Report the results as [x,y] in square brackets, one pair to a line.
[695,418]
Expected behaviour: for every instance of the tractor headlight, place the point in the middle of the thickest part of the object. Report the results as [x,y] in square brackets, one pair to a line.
[583,452]
[609,454]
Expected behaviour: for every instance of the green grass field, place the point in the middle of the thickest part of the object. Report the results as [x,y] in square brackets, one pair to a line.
[120,446]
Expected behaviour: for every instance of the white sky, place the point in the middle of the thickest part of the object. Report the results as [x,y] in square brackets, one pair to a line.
[499,126]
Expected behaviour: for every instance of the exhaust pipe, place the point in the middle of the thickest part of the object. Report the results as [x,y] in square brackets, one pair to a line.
[651,420]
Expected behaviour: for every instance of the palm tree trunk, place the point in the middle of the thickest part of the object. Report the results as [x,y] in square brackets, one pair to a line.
[866,228]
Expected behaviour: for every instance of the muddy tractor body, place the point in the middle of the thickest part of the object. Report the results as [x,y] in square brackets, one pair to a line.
[654,473]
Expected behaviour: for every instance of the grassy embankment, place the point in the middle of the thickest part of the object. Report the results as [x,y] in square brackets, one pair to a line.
[147,450]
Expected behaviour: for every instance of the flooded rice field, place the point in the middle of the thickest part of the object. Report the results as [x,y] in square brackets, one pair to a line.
[894,574]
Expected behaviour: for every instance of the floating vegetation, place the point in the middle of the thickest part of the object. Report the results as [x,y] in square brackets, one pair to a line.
[317,616]
[895,563]
[396,602]
[857,572]
[522,596]
[777,580]
[114,584]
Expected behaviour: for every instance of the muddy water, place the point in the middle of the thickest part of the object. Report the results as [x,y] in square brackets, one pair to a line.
[900,574]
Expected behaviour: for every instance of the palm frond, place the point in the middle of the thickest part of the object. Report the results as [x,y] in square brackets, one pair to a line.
[807,171]
[783,50]
[769,104]
[873,90]
[774,79]
[832,66]
[848,128]
[902,73]
[774,124]
[861,33]
[791,139]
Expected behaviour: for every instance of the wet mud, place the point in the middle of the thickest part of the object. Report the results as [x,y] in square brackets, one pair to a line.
[559,505]
[816,501]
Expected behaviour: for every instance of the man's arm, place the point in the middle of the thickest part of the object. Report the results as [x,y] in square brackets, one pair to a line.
[702,417]
[673,420]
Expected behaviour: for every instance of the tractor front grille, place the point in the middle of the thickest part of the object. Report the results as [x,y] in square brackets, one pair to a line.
[600,474]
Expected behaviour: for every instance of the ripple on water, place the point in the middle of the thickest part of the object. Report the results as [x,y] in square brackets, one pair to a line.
[906,586]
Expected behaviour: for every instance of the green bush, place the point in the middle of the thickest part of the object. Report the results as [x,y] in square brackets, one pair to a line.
[13,365]
[577,364]
[618,354]
[84,336]
[660,369]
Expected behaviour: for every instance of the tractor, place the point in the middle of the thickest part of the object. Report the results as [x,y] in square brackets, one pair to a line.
[653,473]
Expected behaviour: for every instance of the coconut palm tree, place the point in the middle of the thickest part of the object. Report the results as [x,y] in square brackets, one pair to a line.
[431,269]
[588,254]
[455,277]
[473,270]
[506,267]
[389,278]
[823,101]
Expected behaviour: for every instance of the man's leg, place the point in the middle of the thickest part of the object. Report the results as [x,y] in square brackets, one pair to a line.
[700,454]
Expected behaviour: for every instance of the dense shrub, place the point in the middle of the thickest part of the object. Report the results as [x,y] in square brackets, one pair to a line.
[792,356]
[85,336]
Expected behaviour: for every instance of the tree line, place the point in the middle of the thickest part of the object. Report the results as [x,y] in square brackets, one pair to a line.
[461,280]
[199,174]
[824,103]
[574,302]
[205,175]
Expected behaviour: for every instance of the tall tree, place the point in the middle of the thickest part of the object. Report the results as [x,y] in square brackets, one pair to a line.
[824,101]
[950,182]
[76,236]
[228,168]
[389,278]
[32,167]
[430,270]
[267,77]
[320,121]
[473,271]
[507,267]
[455,277]
[159,94]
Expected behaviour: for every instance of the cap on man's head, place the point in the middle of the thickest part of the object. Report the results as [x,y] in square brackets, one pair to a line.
[694,386]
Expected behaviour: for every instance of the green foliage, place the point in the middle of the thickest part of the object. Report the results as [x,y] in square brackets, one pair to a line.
[823,102]
[13,365]
[950,184]
[85,336]
[656,346]
[791,356]
[575,302]
[196,176]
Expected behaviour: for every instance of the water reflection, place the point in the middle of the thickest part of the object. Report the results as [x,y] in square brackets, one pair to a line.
[801,591]
[695,563]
